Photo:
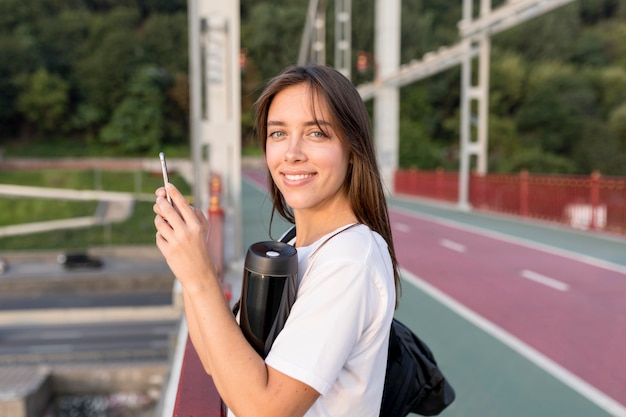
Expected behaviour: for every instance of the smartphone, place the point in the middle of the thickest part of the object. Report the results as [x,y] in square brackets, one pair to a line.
[166,178]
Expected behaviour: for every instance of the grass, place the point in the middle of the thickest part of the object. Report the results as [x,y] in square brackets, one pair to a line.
[137,230]
[130,182]
[60,147]
[26,210]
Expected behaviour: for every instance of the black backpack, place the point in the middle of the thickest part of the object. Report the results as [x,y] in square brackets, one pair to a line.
[413,382]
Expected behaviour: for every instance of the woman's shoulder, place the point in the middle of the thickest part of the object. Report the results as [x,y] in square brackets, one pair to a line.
[355,242]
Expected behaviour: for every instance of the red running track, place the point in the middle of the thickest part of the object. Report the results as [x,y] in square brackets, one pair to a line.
[575,314]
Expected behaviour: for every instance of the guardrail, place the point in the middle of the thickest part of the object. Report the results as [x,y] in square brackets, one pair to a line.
[589,202]
[196,395]
[195,392]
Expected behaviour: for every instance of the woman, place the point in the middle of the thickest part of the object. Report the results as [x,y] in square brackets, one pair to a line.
[330,358]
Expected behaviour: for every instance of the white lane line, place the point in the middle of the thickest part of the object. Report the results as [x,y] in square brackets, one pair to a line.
[542,279]
[457,247]
[401,227]
[579,385]
[568,254]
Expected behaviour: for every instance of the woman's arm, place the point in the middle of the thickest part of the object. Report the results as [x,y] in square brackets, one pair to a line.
[246,384]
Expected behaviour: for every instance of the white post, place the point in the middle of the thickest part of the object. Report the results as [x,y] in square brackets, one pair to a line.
[195,86]
[387,98]
[465,154]
[480,93]
[343,36]
[216,109]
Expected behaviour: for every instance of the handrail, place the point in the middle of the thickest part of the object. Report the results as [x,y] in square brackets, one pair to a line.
[592,202]
[196,394]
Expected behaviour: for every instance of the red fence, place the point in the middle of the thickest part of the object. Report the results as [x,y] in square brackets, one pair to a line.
[585,202]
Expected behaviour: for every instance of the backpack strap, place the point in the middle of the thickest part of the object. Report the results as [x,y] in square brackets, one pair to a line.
[289,234]
[286,237]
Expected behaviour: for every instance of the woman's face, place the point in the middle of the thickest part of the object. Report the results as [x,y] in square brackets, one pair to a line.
[307,165]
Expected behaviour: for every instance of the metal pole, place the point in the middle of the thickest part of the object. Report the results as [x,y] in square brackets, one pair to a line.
[387,98]
[483,84]
[483,103]
[304,56]
[195,87]
[464,163]
[343,36]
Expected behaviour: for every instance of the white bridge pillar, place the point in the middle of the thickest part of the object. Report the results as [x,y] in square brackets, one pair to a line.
[386,97]
[215,79]
[474,104]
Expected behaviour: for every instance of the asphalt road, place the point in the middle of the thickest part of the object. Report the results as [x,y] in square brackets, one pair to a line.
[86,342]
[121,312]
[56,301]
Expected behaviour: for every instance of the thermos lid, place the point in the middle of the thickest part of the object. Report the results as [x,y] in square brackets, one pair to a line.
[272,258]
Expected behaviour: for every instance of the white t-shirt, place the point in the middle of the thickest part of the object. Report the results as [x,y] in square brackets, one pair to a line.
[336,337]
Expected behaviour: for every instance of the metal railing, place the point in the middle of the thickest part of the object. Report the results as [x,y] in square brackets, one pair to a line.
[591,202]
[190,390]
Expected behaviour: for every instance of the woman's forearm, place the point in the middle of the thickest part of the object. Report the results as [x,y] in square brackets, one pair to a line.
[238,372]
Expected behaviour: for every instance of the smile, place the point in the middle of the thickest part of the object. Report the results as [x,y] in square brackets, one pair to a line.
[297,177]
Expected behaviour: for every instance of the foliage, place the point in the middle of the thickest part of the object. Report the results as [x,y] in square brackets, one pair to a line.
[44,100]
[617,125]
[67,68]
[75,70]
[137,122]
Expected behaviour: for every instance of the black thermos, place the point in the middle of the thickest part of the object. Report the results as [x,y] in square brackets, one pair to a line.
[268,291]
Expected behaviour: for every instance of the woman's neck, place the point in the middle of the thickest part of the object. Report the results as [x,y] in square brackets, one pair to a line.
[311,228]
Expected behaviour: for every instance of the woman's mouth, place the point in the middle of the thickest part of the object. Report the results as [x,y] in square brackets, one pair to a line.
[297,177]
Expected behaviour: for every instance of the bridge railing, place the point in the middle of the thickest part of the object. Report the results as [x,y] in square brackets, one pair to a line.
[190,391]
[591,202]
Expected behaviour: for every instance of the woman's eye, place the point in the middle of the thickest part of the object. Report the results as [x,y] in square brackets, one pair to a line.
[276,134]
[318,135]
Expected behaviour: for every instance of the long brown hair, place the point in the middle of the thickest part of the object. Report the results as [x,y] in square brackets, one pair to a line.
[363,184]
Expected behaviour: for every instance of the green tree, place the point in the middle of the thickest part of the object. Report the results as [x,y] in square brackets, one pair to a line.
[60,37]
[107,58]
[273,46]
[610,85]
[599,150]
[557,105]
[509,73]
[44,100]
[504,143]
[163,41]
[536,160]
[617,124]
[18,57]
[137,123]
[549,37]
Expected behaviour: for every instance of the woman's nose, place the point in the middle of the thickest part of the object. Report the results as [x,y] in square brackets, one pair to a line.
[294,151]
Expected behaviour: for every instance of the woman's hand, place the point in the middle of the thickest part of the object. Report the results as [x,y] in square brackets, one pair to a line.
[182,237]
